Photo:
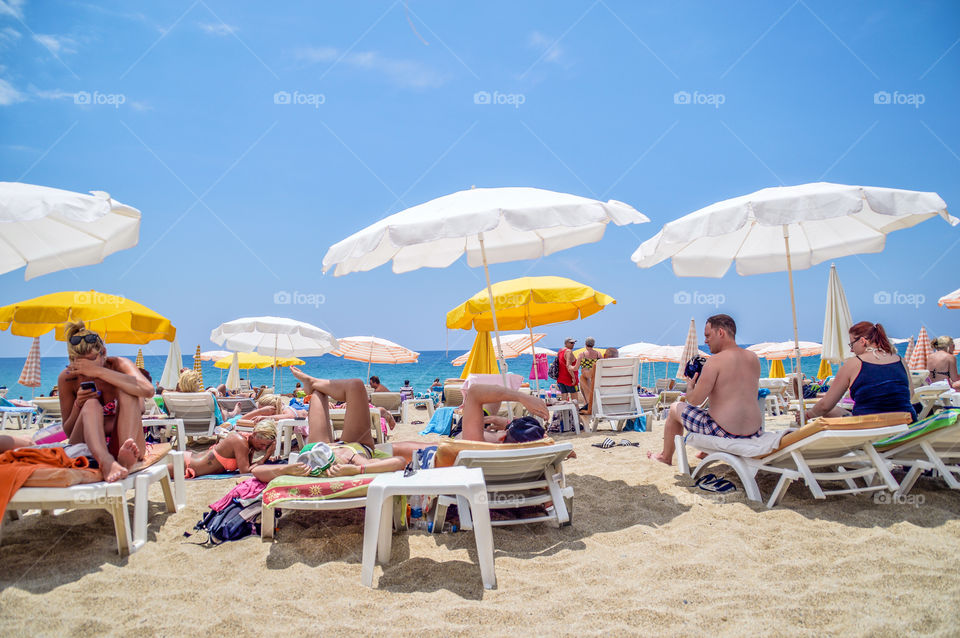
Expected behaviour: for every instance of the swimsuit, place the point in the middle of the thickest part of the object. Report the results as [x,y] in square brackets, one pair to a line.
[110,408]
[587,364]
[361,450]
[696,419]
[881,387]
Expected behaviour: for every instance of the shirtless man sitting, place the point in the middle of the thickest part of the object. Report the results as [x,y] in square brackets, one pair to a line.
[730,379]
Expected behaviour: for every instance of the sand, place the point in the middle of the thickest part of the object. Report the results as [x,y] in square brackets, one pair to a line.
[648,552]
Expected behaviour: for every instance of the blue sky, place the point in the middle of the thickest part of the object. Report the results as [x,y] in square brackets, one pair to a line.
[253,137]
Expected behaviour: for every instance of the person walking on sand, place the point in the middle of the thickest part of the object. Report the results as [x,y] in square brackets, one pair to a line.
[568,373]
[587,362]
[730,380]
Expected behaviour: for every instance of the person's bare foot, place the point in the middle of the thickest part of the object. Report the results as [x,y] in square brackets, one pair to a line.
[303,378]
[658,456]
[701,455]
[114,471]
[128,454]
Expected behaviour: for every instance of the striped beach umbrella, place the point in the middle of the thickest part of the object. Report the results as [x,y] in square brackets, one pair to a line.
[909,351]
[689,349]
[139,361]
[198,365]
[30,376]
[921,350]
[950,301]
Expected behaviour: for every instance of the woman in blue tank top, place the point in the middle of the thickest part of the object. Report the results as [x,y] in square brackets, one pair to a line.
[877,377]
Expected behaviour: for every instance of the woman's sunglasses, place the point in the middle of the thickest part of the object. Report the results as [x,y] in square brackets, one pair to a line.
[89,338]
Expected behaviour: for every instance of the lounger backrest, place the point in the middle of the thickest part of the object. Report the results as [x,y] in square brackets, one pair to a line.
[512,466]
[389,400]
[49,405]
[615,388]
[452,396]
[196,409]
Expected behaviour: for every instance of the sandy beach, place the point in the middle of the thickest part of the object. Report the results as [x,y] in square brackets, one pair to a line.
[648,552]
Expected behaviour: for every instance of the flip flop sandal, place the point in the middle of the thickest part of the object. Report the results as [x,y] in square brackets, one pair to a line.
[416,423]
[711,483]
[628,442]
[606,443]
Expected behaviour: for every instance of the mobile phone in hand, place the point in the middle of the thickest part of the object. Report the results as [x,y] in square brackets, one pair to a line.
[88,385]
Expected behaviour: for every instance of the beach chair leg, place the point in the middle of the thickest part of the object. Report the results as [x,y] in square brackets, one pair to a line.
[267,517]
[779,491]
[682,463]
[463,508]
[883,467]
[556,495]
[808,476]
[909,480]
[483,533]
[179,481]
[440,513]
[141,506]
[940,466]
[117,506]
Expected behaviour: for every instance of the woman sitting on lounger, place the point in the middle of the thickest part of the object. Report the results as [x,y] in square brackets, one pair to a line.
[943,363]
[877,377]
[234,453]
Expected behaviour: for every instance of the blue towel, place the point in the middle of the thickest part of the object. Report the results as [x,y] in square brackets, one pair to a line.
[440,422]
[638,424]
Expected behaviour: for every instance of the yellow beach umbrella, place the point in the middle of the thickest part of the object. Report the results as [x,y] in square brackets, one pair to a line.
[580,351]
[115,318]
[776,369]
[482,359]
[139,361]
[825,370]
[249,360]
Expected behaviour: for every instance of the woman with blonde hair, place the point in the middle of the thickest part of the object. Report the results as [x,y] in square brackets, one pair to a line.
[943,363]
[102,397]
[273,406]
[234,453]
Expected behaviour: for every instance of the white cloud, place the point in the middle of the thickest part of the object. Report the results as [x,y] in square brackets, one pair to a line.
[12,8]
[218,28]
[140,106]
[52,94]
[549,47]
[402,72]
[9,35]
[8,94]
[56,43]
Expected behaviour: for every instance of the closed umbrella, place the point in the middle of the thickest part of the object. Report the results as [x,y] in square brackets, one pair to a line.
[233,378]
[139,360]
[30,375]
[776,369]
[171,369]
[198,365]
[836,322]
[787,228]
[921,350]
[482,359]
[489,225]
[689,348]
[276,336]
[950,301]
[909,351]
[49,229]
[824,370]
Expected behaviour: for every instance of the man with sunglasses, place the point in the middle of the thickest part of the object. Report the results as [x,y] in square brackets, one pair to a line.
[102,397]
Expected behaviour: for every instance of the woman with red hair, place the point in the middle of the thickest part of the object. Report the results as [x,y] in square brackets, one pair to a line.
[877,377]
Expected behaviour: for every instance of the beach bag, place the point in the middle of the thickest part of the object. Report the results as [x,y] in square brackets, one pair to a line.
[554,370]
[229,524]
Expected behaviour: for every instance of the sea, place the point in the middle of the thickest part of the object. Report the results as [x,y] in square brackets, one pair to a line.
[432,364]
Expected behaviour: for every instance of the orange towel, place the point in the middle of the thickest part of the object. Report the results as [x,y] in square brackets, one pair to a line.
[16,466]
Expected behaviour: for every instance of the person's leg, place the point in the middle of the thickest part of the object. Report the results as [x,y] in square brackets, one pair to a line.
[386,416]
[406,449]
[475,397]
[8,442]
[671,427]
[318,419]
[129,426]
[90,429]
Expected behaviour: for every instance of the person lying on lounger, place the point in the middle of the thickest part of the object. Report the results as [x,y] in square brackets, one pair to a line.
[355,451]
[233,453]
[730,380]
[102,397]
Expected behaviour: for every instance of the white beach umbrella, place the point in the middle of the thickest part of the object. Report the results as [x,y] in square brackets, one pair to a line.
[171,369]
[276,336]
[48,229]
[233,377]
[950,301]
[785,349]
[787,228]
[490,225]
[836,322]
[689,348]
[214,355]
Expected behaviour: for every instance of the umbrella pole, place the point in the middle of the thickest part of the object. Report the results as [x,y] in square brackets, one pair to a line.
[496,328]
[275,337]
[796,334]
[533,351]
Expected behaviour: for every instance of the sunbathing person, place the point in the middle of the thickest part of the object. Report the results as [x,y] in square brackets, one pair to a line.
[377,386]
[233,453]
[191,381]
[877,377]
[273,406]
[112,408]
[730,380]
[943,363]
